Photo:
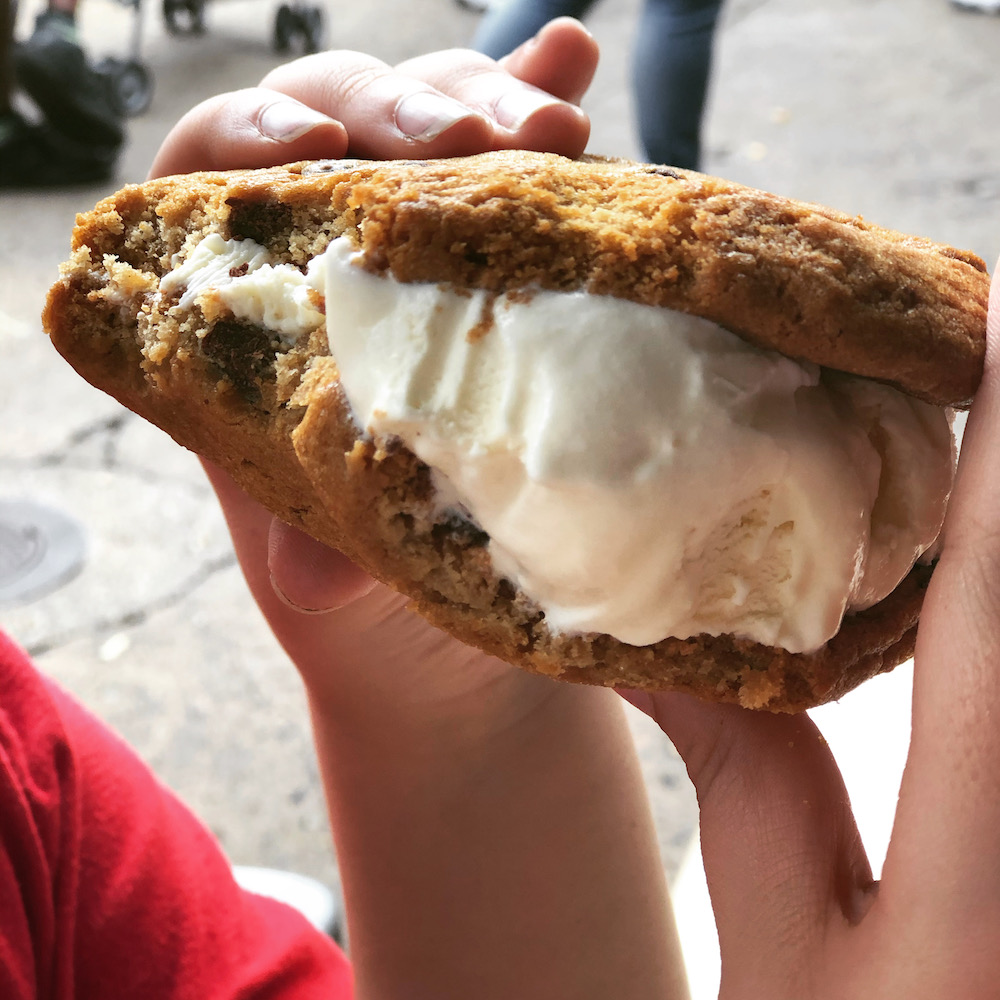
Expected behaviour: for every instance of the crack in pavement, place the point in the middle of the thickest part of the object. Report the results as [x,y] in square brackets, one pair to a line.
[67,456]
[136,616]
[195,487]
[111,426]
[73,455]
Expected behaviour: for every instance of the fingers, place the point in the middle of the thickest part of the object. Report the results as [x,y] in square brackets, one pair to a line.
[361,644]
[783,858]
[560,59]
[249,128]
[445,104]
[522,116]
[945,849]
[388,114]
[320,645]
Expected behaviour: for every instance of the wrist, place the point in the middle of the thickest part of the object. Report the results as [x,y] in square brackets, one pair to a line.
[438,708]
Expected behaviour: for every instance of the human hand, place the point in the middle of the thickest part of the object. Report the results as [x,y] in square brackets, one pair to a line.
[461,790]
[450,103]
[344,103]
[798,913]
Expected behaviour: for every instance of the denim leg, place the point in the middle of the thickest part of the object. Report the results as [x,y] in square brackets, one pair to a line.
[672,60]
[503,29]
[6,57]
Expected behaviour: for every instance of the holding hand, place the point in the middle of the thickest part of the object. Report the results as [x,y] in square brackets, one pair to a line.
[461,790]
[798,913]
[348,104]
[452,103]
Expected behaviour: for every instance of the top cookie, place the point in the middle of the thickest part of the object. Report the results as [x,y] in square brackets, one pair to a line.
[808,281]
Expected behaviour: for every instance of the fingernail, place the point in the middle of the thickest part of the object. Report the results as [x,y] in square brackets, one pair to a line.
[424,115]
[288,602]
[517,106]
[286,121]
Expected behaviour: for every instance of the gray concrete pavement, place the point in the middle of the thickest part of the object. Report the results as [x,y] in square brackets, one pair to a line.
[883,107]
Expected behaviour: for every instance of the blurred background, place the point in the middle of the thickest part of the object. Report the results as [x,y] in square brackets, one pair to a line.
[885,108]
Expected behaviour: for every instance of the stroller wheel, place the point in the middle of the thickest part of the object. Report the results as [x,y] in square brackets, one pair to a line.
[285,28]
[312,29]
[298,25]
[129,85]
[184,17]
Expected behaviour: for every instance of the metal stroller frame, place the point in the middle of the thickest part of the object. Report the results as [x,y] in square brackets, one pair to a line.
[129,80]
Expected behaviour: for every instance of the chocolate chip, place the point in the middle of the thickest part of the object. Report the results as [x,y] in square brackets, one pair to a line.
[243,352]
[460,530]
[265,222]
[332,166]
[665,172]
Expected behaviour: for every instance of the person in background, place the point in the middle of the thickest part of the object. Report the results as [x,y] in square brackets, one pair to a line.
[79,134]
[978,6]
[671,64]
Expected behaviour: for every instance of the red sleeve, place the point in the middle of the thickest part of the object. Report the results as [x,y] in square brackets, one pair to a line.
[110,889]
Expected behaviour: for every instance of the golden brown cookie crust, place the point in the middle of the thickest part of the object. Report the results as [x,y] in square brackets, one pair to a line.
[808,281]
[802,279]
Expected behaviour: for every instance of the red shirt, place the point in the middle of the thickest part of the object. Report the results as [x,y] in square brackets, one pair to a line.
[110,888]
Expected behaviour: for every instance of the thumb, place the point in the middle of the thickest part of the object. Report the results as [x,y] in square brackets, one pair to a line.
[288,572]
[783,857]
[945,854]
[309,576]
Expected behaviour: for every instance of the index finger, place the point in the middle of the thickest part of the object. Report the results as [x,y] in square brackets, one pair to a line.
[945,850]
[449,103]
[388,114]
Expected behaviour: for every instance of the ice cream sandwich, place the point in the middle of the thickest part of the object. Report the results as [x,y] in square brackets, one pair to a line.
[616,423]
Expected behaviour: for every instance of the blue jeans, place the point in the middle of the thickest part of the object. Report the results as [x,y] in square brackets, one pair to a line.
[671,64]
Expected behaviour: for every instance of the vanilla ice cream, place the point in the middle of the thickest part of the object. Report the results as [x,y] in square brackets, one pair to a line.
[640,472]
